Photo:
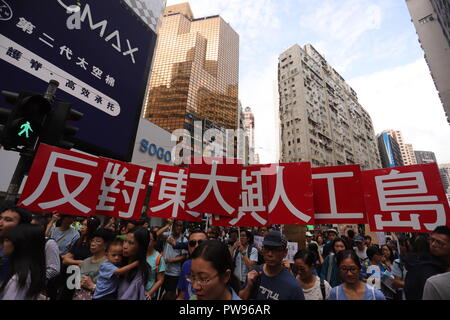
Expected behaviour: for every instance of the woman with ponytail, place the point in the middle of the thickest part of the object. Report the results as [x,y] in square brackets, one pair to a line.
[212,275]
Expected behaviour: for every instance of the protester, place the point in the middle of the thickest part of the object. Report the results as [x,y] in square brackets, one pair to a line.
[63,234]
[329,270]
[313,287]
[426,260]
[213,233]
[245,256]
[212,275]
[132,284]
[352,288]
[367,241]
[437,287]
[108,277]
[91,266]
[360,249]
[313,247]
[10,217]
[263,231]
[52,258]
[185,290]
[350,238]
[309,238]
[173,257]
[233,237]
[399,271]
[321,243]
[157,269]
[272,281]
[373,268]
[328,247]
[388,256]
[24,245]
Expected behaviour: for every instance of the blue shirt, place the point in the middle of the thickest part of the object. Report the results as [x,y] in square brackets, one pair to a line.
[329,271]
[183,284]
[283,286]
[337,293]
[151,260]
[107,281]
[64,239]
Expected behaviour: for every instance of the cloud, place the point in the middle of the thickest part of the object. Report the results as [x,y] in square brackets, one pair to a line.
[405,98]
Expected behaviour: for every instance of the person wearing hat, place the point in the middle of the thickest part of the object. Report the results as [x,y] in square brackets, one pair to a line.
[272,281]
[309,239]
[360,249]
[328,247]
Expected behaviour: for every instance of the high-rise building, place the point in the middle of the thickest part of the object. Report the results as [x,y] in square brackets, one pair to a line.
[389,151]
[321,120]
[405,149]
[445,176]
[195,73]
[431,19]
[424,157]
[249,127]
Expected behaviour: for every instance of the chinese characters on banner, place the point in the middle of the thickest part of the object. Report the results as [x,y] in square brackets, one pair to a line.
[71,183]
[290,193]
[338,195]
[168,197]
[401,199]
[252,211]
[405,199]
[213,188]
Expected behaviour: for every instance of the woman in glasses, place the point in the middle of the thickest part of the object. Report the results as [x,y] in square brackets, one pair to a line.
[212,275]
[313,287]
[353,288]
[185,291]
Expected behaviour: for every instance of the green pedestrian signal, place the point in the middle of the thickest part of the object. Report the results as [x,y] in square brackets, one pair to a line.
[25,128]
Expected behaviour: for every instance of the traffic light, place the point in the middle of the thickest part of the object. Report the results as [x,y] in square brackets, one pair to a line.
[57,131]
[21,126]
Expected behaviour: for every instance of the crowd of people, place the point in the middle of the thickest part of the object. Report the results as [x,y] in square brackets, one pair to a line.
[62,257]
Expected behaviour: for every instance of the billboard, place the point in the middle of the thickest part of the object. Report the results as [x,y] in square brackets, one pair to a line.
[99,51]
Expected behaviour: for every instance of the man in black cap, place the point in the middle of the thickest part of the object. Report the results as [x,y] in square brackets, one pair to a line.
[272,281]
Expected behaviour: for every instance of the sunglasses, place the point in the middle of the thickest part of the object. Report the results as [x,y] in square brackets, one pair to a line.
[193,243]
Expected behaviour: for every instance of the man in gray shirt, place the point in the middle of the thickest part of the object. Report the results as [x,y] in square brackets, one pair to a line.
[437,287]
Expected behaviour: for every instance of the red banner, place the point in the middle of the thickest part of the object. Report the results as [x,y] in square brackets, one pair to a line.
[168,198]
[123,190]
[73,183]
[290,193]
[253,210]
[214,189]
[62,181]
[338,195]
[405,199]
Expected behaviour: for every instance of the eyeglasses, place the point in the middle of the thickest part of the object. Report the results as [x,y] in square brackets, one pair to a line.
[353,270]
[439,243]
[202,282]
[193,243]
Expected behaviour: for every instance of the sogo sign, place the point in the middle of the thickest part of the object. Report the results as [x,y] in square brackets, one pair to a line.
[154,150]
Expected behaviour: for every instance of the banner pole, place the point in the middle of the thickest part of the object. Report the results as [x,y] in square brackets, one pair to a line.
[166,244]
[206,227]
[242,258]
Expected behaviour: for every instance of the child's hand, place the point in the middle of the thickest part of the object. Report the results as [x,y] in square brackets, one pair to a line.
[148,295]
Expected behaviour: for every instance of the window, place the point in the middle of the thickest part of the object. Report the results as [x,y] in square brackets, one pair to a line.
[426,19]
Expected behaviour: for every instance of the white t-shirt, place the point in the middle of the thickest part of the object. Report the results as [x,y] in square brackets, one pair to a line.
[315,293]
[362,255]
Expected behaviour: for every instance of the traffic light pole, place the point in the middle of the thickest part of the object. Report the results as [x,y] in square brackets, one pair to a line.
[26,158]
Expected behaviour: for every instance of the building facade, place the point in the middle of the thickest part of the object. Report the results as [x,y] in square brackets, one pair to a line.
[406,150]
[424,157]
[195,72]
[431,19]
[444,170]
[249,128]
[321,120]
[389,151]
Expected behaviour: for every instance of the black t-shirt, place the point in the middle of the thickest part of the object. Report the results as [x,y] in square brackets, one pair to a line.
[81,250]
[283,286]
